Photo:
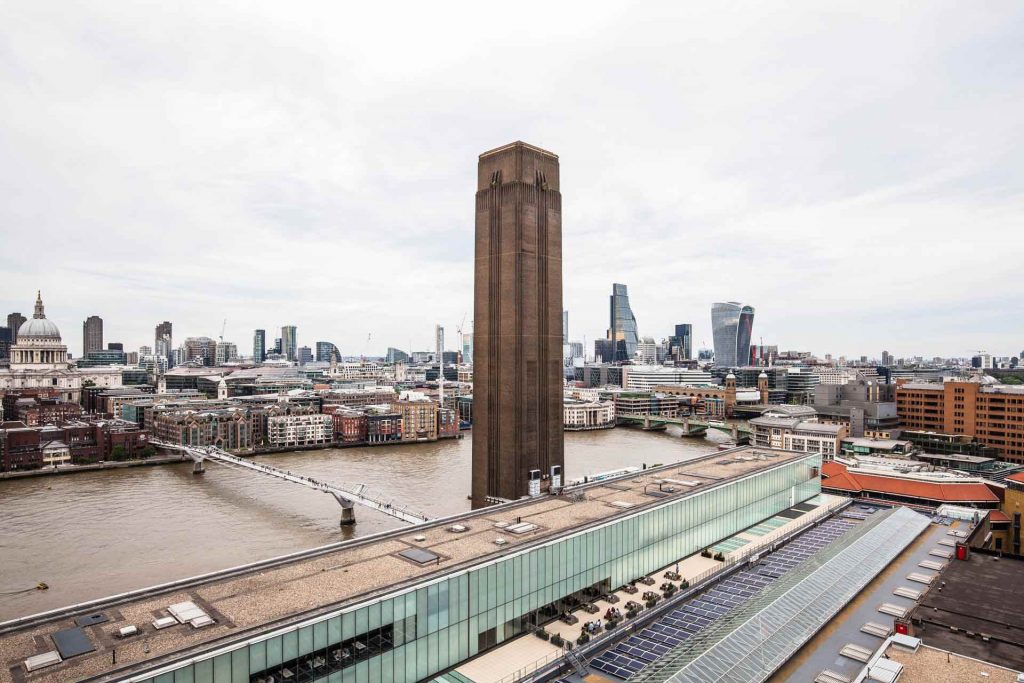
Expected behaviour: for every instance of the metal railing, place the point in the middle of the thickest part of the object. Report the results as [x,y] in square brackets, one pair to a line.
[355,494]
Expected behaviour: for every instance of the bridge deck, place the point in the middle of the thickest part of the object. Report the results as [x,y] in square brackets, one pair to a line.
[254,599]
[350,494]
[355,494]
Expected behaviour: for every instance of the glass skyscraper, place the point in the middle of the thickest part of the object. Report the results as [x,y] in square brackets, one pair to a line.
[681,343]
[622,329]
[731,326]
[259,346]
[289,345]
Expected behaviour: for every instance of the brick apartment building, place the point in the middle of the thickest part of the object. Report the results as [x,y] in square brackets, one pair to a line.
[38,411]
[419,419]
[79,442]
[992,413]
[350,426]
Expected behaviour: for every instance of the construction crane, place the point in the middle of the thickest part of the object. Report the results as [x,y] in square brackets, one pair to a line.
[366,349]
[458,330]
[223,326]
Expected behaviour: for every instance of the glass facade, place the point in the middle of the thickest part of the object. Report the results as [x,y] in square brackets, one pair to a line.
[419,631]
[732,324]
[623,325]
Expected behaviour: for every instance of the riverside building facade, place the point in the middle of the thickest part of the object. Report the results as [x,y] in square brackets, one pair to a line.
[411,603]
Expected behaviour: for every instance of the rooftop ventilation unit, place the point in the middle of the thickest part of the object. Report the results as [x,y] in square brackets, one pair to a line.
[164,622]
[521,528]
[185,611]
[458,528]
[500,541]
[40,661]
[128,631]
[621,504]
[419,537]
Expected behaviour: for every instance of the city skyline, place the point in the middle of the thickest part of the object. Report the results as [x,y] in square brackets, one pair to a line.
[782,196]
[703,339]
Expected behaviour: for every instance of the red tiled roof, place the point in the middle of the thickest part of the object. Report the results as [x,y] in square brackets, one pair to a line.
[998,516]
[831,468]
[841,479]
[1017,477]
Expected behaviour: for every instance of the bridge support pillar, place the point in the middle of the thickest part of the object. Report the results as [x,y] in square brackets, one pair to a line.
[647,422]
[735,433]
[348,510]
[348,515]
[198,467]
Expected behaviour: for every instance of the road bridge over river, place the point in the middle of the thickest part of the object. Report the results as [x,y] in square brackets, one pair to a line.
[692,426]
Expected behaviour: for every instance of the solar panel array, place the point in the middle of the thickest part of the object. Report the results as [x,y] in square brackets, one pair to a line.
[655,641]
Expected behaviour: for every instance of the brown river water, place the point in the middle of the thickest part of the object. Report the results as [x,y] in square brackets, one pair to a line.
[93,534]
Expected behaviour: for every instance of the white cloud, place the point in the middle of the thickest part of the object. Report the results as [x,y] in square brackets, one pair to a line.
[853,170]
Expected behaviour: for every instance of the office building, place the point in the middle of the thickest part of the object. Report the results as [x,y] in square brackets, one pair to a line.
[763,355]
[163,344]
[200,350]
[153,364]
[103,357]
[866,407]
[467,347]
[992,413]
[800,385]
[731,327]
[604,351]
[599,374]
[259,346]
[289,344]
[777,429]
[304,355]
[6,341]
[680,344]
[92,334]
[580,415]
[622,328]
[645,377]
[517,397]
[396,356]
[324,349]
[14,322]
[226,352]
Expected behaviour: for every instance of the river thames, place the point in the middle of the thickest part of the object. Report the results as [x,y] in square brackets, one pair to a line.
[92,534]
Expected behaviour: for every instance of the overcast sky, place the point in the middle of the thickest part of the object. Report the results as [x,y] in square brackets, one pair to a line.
[855,170]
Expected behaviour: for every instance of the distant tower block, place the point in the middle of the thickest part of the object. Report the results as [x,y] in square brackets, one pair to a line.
[518,326]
